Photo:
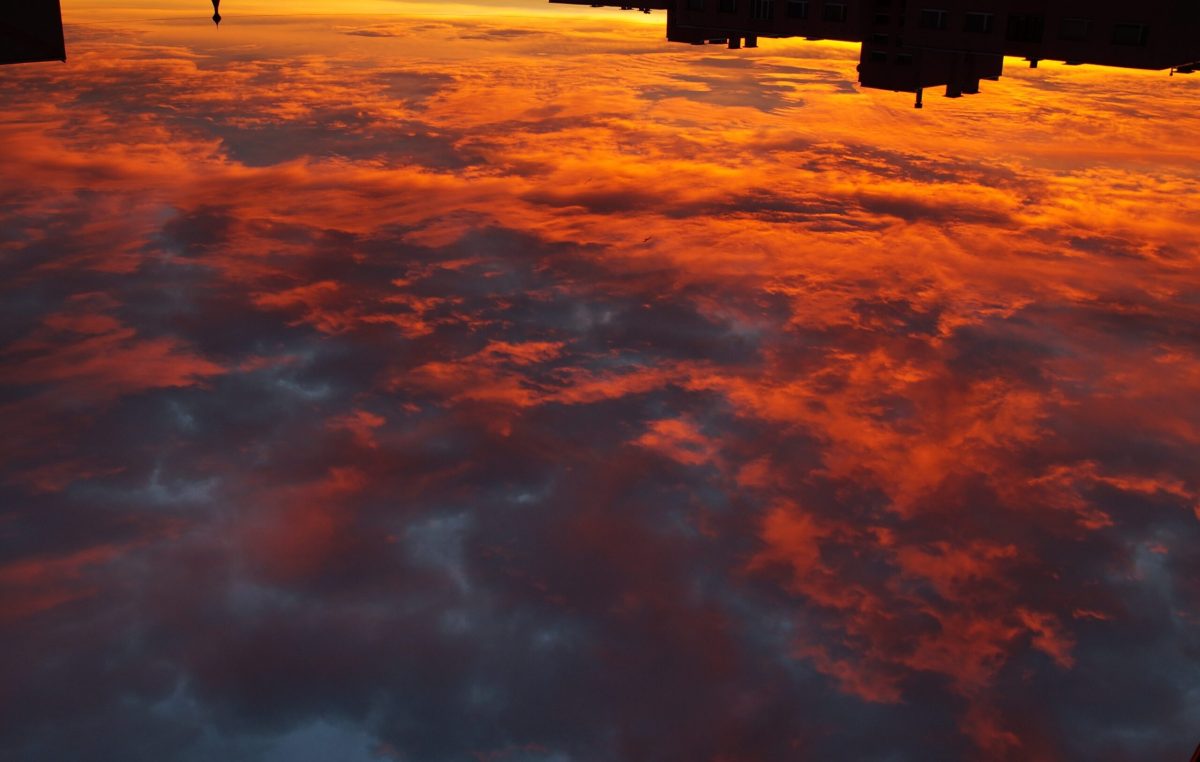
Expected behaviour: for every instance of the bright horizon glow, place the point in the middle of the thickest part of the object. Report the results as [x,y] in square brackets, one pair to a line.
[82,11]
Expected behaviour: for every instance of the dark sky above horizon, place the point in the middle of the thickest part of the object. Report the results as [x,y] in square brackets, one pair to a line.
[500,383]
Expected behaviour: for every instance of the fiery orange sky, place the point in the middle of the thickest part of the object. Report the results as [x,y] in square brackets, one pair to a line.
[501,382]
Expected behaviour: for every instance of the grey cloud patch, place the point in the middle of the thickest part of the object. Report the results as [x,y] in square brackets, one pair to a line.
[501,34]
[932,210]
[741,91]
[414,88]
[197,231]
[329,134]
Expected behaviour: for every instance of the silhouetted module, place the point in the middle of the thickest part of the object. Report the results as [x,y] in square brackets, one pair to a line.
[909,46]
[31,30]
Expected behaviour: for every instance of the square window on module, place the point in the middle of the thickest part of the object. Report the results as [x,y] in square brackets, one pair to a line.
[1074,29]
[1130,34]
[833,12]
[980,23]
[933,18]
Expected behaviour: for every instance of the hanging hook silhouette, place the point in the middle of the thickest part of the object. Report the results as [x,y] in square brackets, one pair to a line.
[216,12]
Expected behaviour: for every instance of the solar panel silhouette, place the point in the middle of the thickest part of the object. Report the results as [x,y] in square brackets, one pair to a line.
[31,30]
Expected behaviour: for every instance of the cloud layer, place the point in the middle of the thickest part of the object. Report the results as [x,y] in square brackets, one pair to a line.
[522,388]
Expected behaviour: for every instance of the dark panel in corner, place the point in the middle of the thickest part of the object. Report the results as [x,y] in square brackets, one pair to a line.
[31,30]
